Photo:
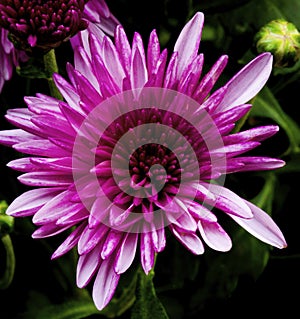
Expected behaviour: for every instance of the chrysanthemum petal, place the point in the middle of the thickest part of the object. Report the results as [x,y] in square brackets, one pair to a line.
[190,240]
[254,134]
[188,42]
[123,48]
[31,201]
[209,80]
[46,179]
[112,241]
[11,137]
[126,253]
[254,163]
[105,284]
[138,71]
[70,242]
[58,206]
[49,230]
[262,226]
[87,266]
[147,251]
[41,148]
[248,82]
[228,201]
[91,237]
[214,235]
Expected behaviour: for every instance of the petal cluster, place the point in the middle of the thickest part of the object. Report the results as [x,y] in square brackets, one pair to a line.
[71,191]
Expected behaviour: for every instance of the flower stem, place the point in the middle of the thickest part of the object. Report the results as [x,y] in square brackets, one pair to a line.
[50,68]
[10,262]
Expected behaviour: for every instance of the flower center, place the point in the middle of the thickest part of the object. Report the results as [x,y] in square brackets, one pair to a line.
[144,156]
[152,166]
[41,24]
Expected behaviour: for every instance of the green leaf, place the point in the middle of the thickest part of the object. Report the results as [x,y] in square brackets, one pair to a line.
[40,307]
[266,105]
[257,13]
[147,304]
[34,68]
[265,198]
[248,257]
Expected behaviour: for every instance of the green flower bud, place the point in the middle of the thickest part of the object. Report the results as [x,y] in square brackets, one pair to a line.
[282,39]
[6,222]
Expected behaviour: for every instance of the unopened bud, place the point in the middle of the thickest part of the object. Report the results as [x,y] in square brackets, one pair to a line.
[282,39]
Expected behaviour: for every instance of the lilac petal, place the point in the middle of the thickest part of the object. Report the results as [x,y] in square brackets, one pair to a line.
[210,79]
[99,211]
[56,164]
[230,116]
[105,284]
[56,208]
[123,48]
[11,137]
[126,253]
[247,82]
[191,76]
[54,126]
[117,215]
[41,148]
[229,202]
[89,96]
[254,134]
[46,179]
[262,227]
[199,211]
[28,203]
[159,239]
[70,242]
[73,216]
[147,251]
[160,68]
[87,266]
[190,240]
[153,52]
[84,66]
[21,118]
[214,235]
[43,105]
[67,90]
[255,163]
[49,230]
[188,42]
[171,72]
[112,241]
[23,164]
[138,71]
[183,220]
[112,62]
[91,237]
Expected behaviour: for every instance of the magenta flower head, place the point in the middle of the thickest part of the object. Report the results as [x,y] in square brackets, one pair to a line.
[42,25]
[139,147]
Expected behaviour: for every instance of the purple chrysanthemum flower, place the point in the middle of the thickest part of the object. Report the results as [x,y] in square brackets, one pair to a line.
[137,148]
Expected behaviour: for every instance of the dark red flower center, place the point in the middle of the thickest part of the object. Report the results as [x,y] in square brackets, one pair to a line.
[152,166]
